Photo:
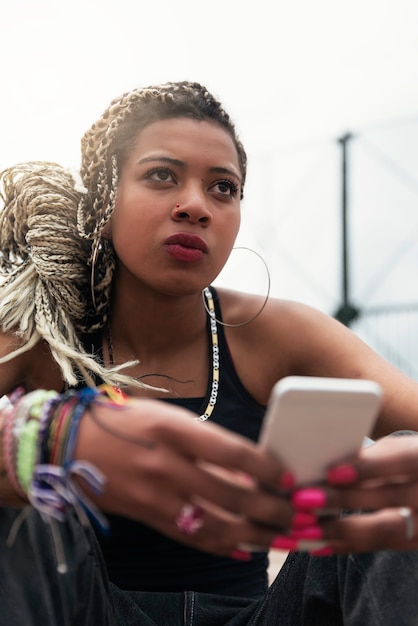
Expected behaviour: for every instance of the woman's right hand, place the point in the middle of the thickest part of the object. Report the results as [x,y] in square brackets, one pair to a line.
[157,459]
[379,486]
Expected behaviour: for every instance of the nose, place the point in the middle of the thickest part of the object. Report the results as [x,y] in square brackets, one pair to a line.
[194,210]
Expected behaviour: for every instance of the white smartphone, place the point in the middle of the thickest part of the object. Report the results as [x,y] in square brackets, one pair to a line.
[313,422]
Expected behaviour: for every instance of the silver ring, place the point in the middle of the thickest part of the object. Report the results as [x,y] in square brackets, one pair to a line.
[406,513]
[189,519]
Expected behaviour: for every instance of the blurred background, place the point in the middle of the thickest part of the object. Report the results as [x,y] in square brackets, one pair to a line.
[325,98]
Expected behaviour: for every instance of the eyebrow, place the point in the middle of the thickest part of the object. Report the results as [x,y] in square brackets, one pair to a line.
[164,159]
[178,163]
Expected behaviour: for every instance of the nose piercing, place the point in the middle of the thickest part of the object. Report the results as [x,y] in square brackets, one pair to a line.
[176,211]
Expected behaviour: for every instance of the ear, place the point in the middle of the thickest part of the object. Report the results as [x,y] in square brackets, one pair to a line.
[107,232]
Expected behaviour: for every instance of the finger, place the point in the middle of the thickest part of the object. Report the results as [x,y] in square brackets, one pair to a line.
[389,456]
[393,495]
[205,527]
[245,499]
[179,430]
[164,466]
[210,442]
[368,497]
[386,529]
[141,475]
[164,483]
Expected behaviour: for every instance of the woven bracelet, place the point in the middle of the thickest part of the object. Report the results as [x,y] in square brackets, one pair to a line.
[28,413]
[53,490]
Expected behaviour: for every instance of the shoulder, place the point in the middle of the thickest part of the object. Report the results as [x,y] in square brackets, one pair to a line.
[288,338]
[272,316]
[277,341]
[33,368]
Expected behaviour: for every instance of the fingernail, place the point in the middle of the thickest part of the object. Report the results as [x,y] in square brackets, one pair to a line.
[301,519]
[247,479]
[314,532]
[286,481]
[284,543]
[342,475]
[241,555]
[309,498]
[327,551]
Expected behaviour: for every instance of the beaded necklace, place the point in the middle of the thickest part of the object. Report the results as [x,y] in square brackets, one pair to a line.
[210,309]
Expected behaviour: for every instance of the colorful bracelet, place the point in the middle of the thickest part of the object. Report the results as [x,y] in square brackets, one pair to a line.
[27,421]
[9,446]
[53,490]
[8,494]
[39,435]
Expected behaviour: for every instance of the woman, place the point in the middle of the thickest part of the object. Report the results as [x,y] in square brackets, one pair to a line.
[106,280]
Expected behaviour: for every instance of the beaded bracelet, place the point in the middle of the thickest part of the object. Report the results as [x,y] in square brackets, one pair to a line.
[26,428]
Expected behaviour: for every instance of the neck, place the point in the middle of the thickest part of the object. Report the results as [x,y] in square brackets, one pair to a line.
[208,309]
[154,322]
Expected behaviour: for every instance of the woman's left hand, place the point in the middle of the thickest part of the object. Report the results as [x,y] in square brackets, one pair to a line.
[379,491]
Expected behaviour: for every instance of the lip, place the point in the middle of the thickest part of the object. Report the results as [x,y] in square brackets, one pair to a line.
[187,240]
[186,247]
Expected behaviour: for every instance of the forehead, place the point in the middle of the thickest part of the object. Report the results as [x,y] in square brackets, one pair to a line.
[183,137]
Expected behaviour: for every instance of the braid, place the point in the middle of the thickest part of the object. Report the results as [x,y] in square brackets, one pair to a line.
[56,269]
[43,266]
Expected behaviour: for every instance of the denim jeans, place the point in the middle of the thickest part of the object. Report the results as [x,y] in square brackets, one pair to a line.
[359,590]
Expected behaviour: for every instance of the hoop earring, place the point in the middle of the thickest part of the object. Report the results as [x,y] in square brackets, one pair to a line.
[98,233]
[212,313]
[94,256]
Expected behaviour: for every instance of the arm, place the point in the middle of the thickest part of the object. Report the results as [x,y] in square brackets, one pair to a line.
[336,351]
[293,339]
[150,483]
[155,459]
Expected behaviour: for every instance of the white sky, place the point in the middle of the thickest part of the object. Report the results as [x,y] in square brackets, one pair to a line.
[294,75]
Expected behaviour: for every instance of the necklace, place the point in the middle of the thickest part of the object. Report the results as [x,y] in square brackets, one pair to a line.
[215,356]
[210,309]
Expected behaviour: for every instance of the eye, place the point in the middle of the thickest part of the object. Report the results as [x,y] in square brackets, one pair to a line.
[160,175]
[226,188]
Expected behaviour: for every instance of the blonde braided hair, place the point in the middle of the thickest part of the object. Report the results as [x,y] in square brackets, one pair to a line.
[56,270]
[43,264]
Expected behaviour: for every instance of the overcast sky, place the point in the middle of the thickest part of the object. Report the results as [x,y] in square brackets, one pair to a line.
[295,75]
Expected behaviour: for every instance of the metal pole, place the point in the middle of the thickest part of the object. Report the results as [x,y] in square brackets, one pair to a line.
[346,312]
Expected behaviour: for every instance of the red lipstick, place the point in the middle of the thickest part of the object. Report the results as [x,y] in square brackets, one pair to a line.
[186,247]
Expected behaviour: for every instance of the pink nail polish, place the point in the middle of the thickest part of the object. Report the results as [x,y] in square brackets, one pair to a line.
[286,481]
[309,498]
[322,552]
[342,475]
[284,543]
[301,519]
[241,555]
[314,532]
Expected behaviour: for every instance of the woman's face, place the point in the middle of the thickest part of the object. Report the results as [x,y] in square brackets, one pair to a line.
[169,248]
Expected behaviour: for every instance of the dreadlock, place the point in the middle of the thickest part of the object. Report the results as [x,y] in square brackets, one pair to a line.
[56,270]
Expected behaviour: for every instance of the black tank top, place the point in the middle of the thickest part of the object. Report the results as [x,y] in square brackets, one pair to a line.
[140,558]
